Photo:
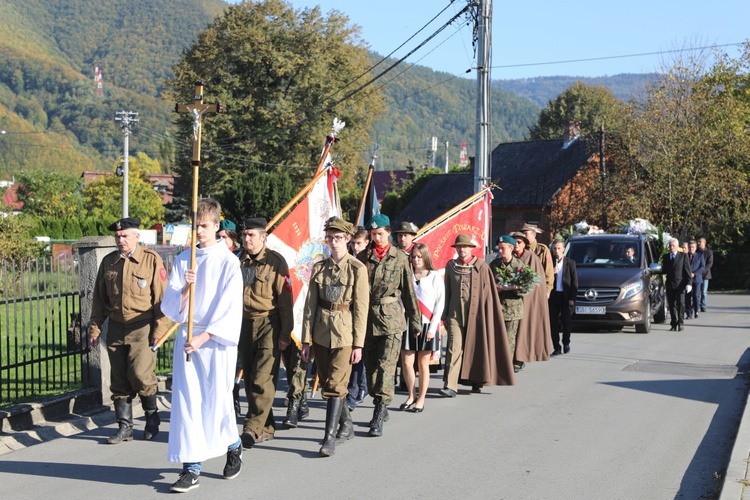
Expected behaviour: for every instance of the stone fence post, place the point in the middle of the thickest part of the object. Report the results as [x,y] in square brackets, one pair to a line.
[91,251]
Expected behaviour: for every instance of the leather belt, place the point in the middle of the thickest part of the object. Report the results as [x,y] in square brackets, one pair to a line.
[384,300]
[333,307]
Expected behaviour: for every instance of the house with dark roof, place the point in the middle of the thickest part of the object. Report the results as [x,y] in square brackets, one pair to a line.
[530,176]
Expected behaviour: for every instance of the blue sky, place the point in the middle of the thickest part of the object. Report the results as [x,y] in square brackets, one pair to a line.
[533,32]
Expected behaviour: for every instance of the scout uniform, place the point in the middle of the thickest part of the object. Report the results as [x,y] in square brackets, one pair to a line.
[267,318]
[334,322]
[512,300]
[390,279]
[544,254]
[129,290]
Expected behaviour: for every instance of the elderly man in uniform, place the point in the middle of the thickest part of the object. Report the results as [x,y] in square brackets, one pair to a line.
[129,290]
[335,321]
[541,251]
[390,279]
[267,323]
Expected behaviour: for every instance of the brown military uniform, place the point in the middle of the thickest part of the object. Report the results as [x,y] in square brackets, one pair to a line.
[545,256]
[512,301]
[335,319]
[129,292]
[390,279]
[267,318]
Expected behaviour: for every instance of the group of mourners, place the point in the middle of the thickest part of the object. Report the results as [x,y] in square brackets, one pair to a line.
[375,299]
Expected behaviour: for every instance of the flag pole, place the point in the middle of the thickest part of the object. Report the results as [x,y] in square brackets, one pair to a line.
[451,212]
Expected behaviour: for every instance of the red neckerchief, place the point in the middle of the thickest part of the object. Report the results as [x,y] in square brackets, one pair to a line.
[466,262]
[408,250]
[380,252]
[519,254]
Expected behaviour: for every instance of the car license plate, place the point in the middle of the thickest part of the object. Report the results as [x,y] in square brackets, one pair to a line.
[591,310]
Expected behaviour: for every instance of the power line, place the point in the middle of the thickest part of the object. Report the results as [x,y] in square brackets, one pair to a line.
[603,58]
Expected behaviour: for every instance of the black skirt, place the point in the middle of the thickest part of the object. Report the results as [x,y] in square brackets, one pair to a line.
[410,342]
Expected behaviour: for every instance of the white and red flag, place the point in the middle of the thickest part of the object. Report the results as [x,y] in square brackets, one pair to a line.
[300,238]
[471,216]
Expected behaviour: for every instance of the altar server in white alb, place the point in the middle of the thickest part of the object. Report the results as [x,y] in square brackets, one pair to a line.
[202,423]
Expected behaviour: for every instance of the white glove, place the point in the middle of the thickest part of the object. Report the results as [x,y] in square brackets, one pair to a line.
[689,288]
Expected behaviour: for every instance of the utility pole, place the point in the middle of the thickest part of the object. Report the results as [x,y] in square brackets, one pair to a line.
[446,157]
[482,163]
[126,119]
[603,173]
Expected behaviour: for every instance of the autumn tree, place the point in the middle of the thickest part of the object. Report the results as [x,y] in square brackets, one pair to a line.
[103,197]
[591,105]
[689,140]
[46,193]
[283,75]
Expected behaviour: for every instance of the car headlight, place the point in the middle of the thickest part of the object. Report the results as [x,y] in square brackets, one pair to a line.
[632,289]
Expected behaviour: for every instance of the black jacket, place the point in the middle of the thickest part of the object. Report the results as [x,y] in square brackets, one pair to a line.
[569,278]
[677,271]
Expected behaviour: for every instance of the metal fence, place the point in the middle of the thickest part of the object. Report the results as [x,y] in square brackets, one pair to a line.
[43,350]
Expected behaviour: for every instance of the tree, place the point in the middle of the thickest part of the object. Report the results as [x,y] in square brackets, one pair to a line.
[15,242]
[591,105]
[103,198]
[281,73]
[256,195]
[50,194]
[689,141]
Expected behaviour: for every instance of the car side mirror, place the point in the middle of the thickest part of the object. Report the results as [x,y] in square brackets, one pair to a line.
[655,268]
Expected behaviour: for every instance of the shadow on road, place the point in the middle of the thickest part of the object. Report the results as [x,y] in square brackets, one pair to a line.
[705,475]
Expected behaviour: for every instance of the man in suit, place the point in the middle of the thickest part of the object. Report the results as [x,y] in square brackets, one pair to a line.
[630,257]
[697,266]
[563,296]
[708,257]
[676,266]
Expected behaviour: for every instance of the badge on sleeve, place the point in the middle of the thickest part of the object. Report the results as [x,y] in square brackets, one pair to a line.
[287,283]
[163,274]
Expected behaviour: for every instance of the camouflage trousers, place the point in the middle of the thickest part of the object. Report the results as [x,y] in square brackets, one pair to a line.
[511,326]
[381,355]
[296,371]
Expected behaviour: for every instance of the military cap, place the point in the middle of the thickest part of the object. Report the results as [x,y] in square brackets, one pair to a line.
[255,223]
[506,238]
[405,227]
[531,227]
[339,224]
[378,221]
[464,240]
[126,223]
[227,224]
[520,236]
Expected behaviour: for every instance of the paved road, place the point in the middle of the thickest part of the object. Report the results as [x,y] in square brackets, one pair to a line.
[623,415]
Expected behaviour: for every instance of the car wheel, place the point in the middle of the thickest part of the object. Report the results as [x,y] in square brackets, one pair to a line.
[645,327]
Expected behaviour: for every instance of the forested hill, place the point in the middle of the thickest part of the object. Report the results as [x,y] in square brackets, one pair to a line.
[542,89]
[55,119]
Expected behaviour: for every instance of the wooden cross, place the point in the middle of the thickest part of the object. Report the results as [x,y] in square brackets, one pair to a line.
[197,110]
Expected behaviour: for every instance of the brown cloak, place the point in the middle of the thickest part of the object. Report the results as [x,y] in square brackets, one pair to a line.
[534,340]
[487,359]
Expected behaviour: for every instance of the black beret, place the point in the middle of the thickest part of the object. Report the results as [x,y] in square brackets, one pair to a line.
[126,223]
[256,223]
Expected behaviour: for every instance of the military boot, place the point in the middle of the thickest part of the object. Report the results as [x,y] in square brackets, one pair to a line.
[346,428]
[152,417]
[333,414]
[124,415]
[304,410]
[378,416]
[292,414]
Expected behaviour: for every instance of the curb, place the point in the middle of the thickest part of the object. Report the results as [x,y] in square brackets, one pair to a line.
[736,479]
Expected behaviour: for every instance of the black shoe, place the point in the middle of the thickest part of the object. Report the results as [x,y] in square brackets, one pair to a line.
[447,393]
[415,409]
[407,406]
[696,315]
[516,369]
[673,329]
[566,349]
[476,389]
[703,309]
[680,328]
[556,352]
[187,481]
[376,425]
[234,463]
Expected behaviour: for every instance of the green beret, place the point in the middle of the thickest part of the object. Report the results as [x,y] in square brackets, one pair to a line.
[506,238]
[126,223]
[227,224]
[339,224]
[378,221]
